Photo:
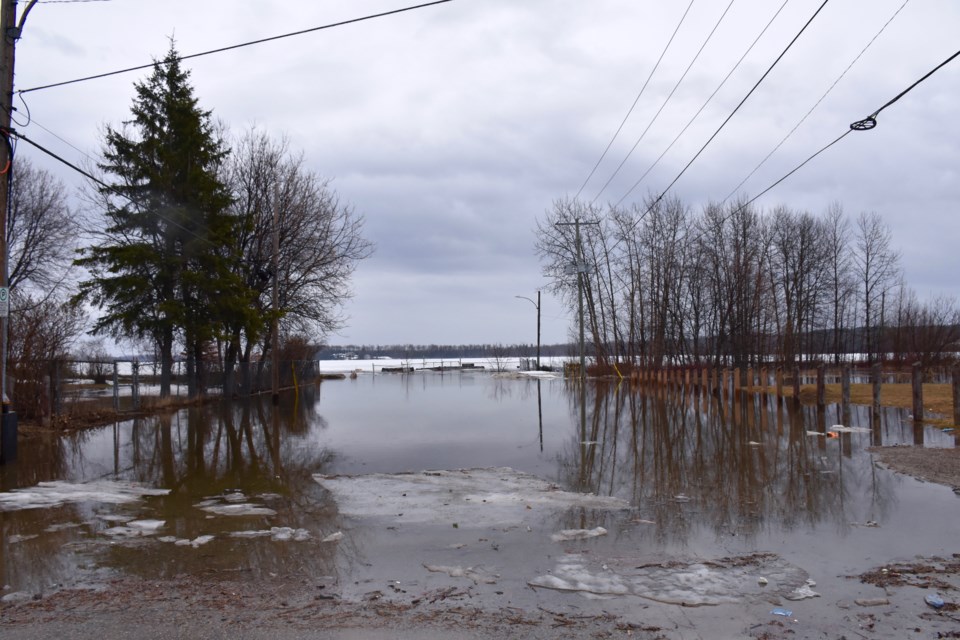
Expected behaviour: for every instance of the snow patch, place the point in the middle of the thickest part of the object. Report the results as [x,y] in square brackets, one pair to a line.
[578,534]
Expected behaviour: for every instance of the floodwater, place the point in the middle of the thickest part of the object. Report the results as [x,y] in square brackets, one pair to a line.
[695,500]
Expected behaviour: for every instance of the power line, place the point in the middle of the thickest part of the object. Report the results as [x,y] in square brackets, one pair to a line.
[106,186]
[708,100]
[737,108]
[636,100]
[238,46]
[665,102]
[825,94]
[860,125]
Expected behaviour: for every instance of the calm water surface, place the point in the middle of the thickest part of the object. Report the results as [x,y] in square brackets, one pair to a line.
[703,479]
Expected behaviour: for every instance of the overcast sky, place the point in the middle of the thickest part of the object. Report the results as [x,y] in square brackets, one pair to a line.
[452,128]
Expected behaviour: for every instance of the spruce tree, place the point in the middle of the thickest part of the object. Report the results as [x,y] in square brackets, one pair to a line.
[162,266]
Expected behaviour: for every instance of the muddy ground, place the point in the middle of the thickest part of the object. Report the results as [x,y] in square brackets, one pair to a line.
[236,605]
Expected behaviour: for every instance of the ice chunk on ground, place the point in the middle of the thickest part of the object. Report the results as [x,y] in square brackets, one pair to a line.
[53,494]
[469,497]
[723,581]
[334,537]
[578,534]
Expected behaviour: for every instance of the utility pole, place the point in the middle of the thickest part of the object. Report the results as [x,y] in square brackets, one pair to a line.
[10,30]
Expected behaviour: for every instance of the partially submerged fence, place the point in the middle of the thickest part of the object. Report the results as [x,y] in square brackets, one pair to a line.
[731,382]
[43,390]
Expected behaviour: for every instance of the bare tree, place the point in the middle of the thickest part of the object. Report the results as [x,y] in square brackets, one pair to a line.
[876,265]
[41,230]
[320,242]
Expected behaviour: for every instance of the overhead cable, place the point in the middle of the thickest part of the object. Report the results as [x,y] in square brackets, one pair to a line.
[737,108]
[709,99]
[860,125]
[817,104]
[237,46]
[665,102]
[635,101]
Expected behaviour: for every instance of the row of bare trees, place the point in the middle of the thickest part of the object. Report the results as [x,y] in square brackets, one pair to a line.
[665,284]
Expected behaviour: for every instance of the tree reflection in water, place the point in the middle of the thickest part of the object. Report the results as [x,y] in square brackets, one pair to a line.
[246,450]
[689,461]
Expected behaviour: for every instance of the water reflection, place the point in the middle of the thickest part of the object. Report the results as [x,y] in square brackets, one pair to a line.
[743,467]
[698,471]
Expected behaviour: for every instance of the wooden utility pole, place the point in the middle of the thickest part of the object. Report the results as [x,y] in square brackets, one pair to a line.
[10,30]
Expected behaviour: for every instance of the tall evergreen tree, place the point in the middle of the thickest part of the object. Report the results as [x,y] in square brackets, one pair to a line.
[161,267]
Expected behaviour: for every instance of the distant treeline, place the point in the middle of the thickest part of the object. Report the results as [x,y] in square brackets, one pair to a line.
[436,351]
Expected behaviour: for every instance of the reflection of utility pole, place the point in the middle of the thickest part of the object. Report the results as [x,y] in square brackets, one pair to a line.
[275,327]
[537,305]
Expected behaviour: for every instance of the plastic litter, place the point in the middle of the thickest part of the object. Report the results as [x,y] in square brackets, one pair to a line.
[934,600]
[779,611]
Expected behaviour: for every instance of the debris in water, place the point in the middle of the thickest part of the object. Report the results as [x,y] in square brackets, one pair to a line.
[477,575]
[578,534]
[762,581]
[803,592]
[934,600]
[871,602]
[779,611]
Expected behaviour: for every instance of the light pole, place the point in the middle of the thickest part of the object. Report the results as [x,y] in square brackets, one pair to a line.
[537,305]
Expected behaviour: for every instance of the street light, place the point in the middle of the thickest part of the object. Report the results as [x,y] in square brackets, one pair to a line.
[537,305]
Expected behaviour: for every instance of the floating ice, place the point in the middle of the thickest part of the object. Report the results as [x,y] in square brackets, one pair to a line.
[334,537]
[839,428]
[578,534]
[21,538]
[146,525]
[230,505]
[479,576]
[281,534]
[723,581]
[471,498]
[803,592]
[54,494]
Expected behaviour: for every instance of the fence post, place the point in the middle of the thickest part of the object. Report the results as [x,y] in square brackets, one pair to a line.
[956,395]
[116,387]
[135,391]
[917,381]
[875,378]
[845,393]
[821,385]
